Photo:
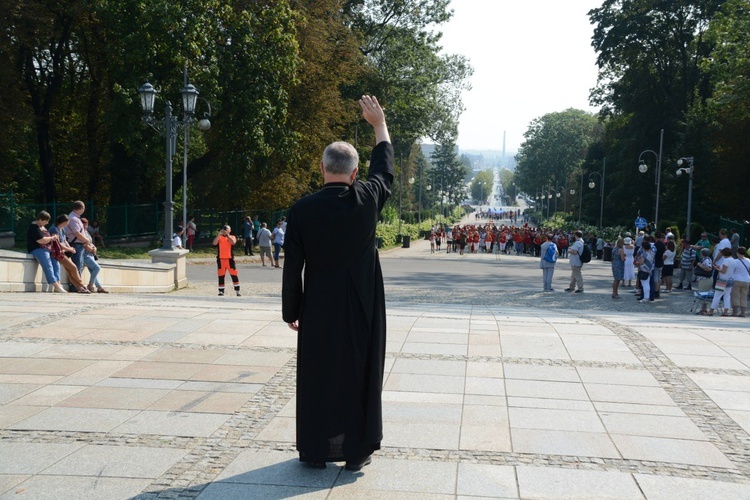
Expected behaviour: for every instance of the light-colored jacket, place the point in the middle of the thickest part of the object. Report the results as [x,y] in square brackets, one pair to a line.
[575,258]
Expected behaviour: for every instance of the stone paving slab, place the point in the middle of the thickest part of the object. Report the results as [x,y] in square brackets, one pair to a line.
[183,396]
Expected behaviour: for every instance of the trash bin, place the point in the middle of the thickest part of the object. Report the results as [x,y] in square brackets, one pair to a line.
[407,241]
[607,254]
[380,242]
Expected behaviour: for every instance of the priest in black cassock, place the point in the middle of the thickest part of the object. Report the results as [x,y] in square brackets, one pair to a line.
[338,309]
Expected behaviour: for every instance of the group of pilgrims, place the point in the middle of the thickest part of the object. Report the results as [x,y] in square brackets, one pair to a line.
[492,238]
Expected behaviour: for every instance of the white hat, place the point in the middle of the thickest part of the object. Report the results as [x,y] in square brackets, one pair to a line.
[628,241]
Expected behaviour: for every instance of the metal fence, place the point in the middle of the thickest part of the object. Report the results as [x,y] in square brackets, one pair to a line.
[740,227]
[136,221]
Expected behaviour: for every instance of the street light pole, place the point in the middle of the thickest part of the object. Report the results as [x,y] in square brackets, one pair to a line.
[601,190]
[419,203]
[580,200]
[170,126]
[400,190]
[688,170]
[643,168]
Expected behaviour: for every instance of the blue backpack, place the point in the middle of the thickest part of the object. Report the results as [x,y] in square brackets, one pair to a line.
[551,254]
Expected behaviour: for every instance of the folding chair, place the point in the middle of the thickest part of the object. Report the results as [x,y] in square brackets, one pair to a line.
[700,299]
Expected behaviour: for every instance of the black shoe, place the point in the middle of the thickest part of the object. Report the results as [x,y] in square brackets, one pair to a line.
[221,292]
[688,287]
[679,287]
[355,466]
[315,465]
[580,290]
[568,289]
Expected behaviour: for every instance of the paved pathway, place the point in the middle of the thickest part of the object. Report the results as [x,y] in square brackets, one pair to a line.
[185,396]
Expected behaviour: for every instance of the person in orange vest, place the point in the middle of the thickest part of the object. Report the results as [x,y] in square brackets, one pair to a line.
[225,242]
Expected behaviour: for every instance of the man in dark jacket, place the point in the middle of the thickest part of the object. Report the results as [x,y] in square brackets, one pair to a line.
[339,308]
[659,247]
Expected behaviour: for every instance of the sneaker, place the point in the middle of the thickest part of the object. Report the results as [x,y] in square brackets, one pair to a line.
[643,301]
[568,289]
[551,290]
[580,290]
[221,292]
[238,294]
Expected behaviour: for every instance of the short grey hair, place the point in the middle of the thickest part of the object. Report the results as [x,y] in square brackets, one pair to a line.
[340,158]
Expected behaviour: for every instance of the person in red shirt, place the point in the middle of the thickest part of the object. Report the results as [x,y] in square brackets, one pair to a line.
[526,242]
[225,242]
[562,243]
[518,242]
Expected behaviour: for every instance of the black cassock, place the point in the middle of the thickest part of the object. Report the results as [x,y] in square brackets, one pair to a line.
[341,313]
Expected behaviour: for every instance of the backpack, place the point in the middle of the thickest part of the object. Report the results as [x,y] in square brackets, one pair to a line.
[586,254]
[551,254]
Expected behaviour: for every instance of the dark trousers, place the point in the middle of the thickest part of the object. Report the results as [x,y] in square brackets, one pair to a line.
[249,246]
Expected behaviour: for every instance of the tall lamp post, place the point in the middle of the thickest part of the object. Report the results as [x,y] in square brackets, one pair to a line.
[572,192]
[580,199]
[688,170]
[411,183]
[428,187]
[549,198]
[169,126]
[558,190]
[592,184]
[643,168]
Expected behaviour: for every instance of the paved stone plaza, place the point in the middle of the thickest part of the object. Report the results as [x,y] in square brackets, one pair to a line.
[184,396]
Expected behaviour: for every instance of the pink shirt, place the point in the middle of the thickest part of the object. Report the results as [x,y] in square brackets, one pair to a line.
[75,225]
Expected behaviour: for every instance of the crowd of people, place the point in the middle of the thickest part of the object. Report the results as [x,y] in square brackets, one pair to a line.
[647,264]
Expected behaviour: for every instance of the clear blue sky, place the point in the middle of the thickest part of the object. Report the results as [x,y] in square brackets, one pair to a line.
[530,57]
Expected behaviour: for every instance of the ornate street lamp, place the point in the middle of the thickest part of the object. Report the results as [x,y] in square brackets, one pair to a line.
[688,170]
[169,126]
[643,168]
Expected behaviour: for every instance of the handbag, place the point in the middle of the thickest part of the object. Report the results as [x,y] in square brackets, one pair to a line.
[56,250]
[720,285]
[643,275]
[699,271]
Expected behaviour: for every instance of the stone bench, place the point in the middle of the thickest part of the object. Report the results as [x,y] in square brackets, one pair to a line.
[20,272]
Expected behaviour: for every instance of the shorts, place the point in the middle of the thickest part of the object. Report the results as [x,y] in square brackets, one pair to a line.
[657,274]
[265,252]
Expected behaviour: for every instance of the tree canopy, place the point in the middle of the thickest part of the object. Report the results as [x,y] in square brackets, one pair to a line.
[282,78]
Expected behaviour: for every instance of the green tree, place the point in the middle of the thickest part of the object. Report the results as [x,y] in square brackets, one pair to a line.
[507,181]
[725,116]
[481,186]
[649,55]
[448,174]
[420,88]
[555,147]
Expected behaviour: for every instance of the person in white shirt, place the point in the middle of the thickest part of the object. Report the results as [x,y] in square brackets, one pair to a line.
[177,239]
[723,243]
[723,285]
[264,243]
[574,252]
